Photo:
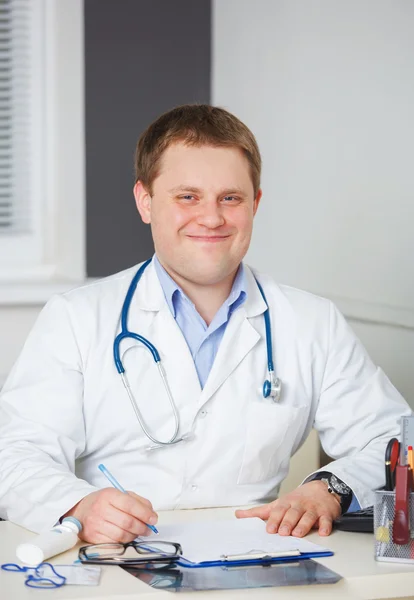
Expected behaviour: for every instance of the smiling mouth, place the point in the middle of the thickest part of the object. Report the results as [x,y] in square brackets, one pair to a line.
[209,238]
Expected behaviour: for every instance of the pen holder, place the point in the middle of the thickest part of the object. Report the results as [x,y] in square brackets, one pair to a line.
[384,512]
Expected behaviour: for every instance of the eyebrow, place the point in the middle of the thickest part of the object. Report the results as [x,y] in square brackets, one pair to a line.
[196,190]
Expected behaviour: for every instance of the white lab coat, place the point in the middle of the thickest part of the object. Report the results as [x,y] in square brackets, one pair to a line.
[64,409]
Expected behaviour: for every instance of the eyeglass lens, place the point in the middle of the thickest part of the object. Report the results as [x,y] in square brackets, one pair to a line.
[144,549]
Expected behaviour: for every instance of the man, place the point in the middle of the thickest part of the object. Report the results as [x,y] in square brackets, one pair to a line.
[64,409]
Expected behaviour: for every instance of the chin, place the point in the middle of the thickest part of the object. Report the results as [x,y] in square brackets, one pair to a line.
[209,276]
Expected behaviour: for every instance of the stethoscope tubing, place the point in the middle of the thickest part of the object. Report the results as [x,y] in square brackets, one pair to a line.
[146,431]
[268,328]
[271,387]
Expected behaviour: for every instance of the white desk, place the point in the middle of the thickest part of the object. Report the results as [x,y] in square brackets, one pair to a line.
[364,578]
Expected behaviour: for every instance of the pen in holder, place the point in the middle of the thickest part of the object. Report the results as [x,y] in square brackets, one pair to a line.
[391,531]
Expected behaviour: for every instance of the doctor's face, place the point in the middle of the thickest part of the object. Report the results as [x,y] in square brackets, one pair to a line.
[201,211]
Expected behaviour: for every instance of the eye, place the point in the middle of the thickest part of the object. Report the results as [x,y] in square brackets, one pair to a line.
[187,197]
[233,199]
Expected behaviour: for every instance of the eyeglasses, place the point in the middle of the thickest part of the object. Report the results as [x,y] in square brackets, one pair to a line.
[135,553]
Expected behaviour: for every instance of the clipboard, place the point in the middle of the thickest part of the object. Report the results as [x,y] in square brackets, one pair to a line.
[236,543]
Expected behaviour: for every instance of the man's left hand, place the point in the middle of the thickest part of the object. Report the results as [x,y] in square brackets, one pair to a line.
[310,505]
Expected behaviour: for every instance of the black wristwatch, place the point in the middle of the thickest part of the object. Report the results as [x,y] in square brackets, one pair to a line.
[336,486]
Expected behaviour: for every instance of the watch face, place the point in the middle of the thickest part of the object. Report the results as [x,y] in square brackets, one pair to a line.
[339,486]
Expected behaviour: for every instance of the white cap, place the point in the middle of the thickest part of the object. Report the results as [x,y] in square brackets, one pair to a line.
[29,554]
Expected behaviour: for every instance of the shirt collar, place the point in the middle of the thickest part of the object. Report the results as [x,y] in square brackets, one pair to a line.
[170,288]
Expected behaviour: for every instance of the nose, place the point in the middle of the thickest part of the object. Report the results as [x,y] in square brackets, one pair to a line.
[210,214]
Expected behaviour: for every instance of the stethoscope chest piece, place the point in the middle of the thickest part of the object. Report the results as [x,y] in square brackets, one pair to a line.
[272,387]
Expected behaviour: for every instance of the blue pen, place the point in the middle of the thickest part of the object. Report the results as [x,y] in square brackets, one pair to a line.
[119,487]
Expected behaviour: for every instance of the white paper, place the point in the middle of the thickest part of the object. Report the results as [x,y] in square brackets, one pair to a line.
[208,541]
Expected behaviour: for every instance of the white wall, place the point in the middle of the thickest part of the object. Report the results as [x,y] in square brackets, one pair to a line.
[327,88]
[15,324]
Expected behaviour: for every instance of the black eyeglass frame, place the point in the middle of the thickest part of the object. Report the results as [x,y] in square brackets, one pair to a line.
[119,561]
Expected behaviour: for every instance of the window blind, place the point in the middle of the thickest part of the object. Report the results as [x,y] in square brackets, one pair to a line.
[16,114]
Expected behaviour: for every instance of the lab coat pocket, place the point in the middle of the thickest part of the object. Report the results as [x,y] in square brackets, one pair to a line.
[270,436]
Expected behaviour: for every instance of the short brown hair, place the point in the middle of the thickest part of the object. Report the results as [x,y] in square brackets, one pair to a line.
[194,124]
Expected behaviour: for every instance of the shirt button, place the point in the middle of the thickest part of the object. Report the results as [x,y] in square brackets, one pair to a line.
[194,487]
[203,413]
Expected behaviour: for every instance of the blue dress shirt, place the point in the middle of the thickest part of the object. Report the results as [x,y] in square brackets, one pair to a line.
[203,340]
[355,505]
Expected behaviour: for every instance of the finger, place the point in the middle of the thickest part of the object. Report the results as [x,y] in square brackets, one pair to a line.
[98,537]
[308,520]
[262,512]
[290,520]
[128,503]
[141,499]
[99,531]
[125,521]
[325,525]
[276,516]
[114,533]
[96,525]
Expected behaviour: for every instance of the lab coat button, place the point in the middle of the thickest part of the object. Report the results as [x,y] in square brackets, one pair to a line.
[194,487]
[203,413]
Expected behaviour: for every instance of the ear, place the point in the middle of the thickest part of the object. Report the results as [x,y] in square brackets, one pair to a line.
[143,201]
[256,201]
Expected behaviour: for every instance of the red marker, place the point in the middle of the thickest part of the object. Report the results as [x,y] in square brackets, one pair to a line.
[401,525]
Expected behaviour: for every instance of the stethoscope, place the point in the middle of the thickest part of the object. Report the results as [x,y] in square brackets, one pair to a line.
[272,387]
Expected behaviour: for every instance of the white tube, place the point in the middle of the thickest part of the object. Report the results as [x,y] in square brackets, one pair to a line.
[60,538]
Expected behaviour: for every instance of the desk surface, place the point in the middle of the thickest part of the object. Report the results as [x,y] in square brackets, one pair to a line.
[364,578]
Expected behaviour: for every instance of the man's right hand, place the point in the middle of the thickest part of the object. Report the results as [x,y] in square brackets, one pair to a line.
[109,515]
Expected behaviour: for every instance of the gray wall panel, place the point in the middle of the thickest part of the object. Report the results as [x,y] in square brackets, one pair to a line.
[142,57]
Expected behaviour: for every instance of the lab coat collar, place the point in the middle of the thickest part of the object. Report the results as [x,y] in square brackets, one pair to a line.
[149,294]
[254,305]
[240,337]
